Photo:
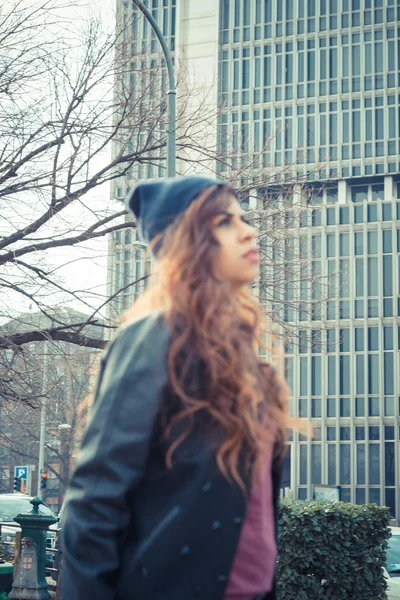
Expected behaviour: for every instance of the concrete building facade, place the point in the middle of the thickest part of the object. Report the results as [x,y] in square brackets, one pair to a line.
[312,89]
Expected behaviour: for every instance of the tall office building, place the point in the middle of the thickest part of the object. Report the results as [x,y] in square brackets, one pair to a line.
[312,89]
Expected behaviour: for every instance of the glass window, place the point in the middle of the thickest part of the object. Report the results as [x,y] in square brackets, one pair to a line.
[389,463]
[303,407]
[344,244]
[267,70]
[387,240]
[388,378]
[372,276]
[333,124]
[387,276]
[332,195]
[345,464]
[373,338]
[303,464]
[268,11]
[316,375]
[388,338]
[331,407]
[360,378]
[302,492]
[316,463]
[389,406]
[373,308]
[360,412]
[344,283]
[345,129]
[373,433]
[344,374]
[311,65]
[330,216]
[374,464]
[372,238]
[373,407]
[344,215]
[345,412]
[359,339]
[374,493]
[245,74]
[303,376]
[379,123]
[389,432]
[359,277]
[372,213]
[359,309]
[373,376]
[303,345]
[360,464]
[358,243]
[331,434]
[359,193]
[331,244]
[331,340]
[378,57]
[377,192]
[331,464]
[360,433]
[345,340]
[316,408]
[356,125]
[289,68]
[333,60]
[355,59]
[345,433]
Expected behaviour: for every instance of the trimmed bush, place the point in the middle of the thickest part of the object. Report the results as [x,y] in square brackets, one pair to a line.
[331,550]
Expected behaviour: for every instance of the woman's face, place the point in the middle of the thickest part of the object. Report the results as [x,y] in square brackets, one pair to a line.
[238,258]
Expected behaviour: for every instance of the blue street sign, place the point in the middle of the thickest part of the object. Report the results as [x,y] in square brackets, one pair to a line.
[21,472]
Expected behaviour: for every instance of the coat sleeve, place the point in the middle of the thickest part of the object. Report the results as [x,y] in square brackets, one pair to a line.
[112,459]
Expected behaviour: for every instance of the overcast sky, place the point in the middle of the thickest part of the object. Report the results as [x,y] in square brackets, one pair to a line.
[83,267]
[86,267]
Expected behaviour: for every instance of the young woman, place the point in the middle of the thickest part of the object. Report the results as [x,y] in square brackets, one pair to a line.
[175,492]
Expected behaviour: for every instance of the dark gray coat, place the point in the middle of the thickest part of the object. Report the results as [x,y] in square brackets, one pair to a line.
[134,530]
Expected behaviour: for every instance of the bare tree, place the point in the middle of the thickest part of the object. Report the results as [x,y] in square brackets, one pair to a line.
[80,113]
[49,381]
[73,121]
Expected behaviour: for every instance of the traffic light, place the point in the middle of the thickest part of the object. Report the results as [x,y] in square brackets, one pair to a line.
[17,484]
[43,481]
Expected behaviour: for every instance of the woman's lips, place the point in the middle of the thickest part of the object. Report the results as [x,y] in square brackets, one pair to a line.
[252,255]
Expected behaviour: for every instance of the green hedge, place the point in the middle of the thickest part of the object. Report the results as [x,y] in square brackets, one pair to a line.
[331,550]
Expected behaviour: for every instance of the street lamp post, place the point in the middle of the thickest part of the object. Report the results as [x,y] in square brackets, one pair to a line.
[171,94]
[42,427]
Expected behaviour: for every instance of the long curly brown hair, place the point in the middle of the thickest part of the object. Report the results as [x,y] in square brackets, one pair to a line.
[221,329]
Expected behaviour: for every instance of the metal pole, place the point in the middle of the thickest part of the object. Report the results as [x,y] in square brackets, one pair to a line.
[42,428]
[171,94]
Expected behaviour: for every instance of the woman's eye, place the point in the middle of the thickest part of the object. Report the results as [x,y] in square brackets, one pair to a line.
[224,222]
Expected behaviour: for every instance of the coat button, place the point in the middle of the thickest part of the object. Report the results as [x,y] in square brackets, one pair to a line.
[185,550]
[238,520]
[206,487]
[222,578]
[216,525]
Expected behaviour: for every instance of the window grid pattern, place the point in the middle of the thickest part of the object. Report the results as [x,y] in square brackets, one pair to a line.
[311,83]
[344,370]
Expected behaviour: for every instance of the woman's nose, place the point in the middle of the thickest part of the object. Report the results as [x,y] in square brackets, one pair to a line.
[248,232]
